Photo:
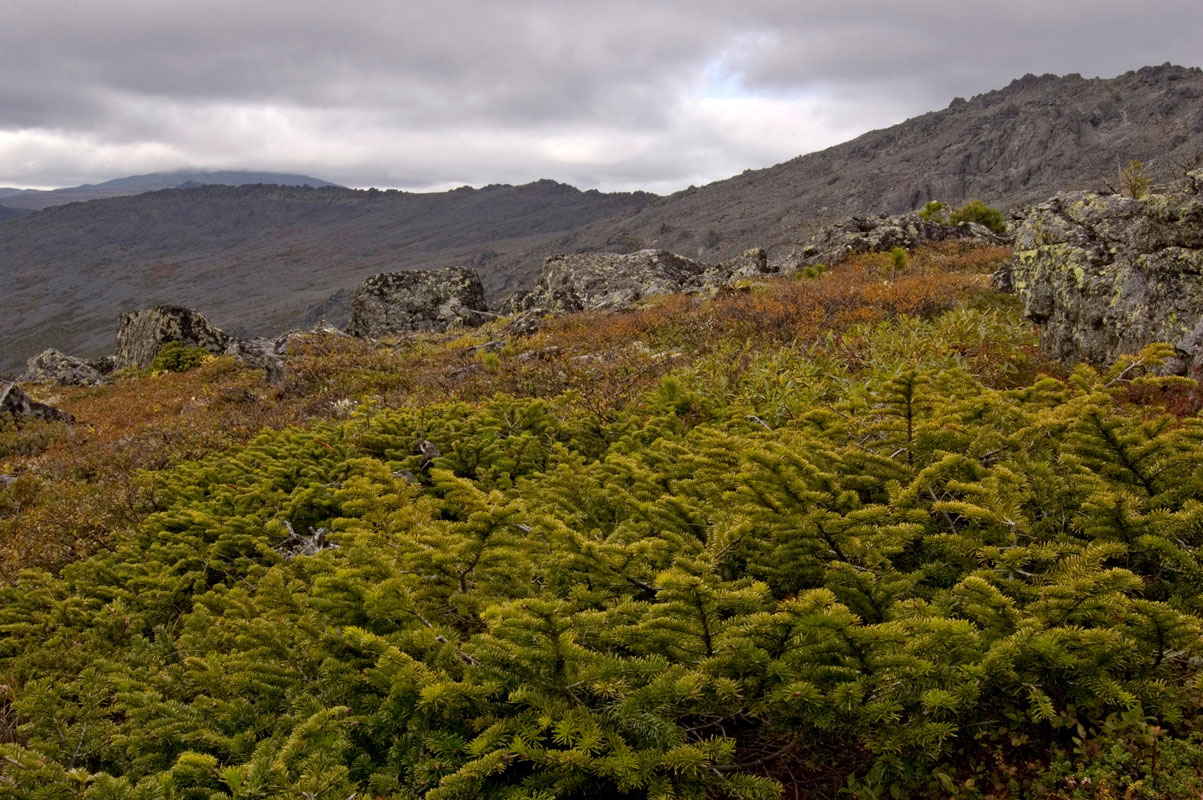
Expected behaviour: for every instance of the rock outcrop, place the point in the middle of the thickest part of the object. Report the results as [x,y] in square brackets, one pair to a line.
[748,265]
[395,303]
[879,234]
[593,281]
[264,354]
[270,355]
[20,406]
[140,334]
[51,366]
[1106,274]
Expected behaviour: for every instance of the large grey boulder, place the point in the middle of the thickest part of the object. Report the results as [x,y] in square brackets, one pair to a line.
[394,303]
[592,281]
[51,366]
[21,407]
[1106,274]
[879,234]
[140,334]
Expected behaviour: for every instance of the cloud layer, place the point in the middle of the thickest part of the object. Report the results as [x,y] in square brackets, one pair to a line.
[654,94]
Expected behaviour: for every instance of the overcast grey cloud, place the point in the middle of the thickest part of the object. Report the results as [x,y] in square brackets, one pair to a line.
[656,94]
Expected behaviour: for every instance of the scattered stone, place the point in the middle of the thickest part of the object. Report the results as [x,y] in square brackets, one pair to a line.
[1105,274]
[880,234]
[463,372]
[524,323]
[140,334]
[395,303]
[270,355]
[104,365]
[542,354]
[20,406]
[749,265]
[405,475]
[493,346]
[51,366]
[325,328]
[298,544]
[264,354]
[593,281]
[429,452]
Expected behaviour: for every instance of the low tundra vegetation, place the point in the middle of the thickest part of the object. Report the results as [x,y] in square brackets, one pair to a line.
[848,536]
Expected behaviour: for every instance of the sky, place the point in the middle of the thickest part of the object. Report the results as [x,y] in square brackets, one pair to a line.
[425,96]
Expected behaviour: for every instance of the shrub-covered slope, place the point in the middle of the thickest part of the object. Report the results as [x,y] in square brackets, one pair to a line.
[829,536]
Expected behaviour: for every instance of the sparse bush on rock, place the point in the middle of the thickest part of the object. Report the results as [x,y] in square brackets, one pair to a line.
[982,214]
[178,357]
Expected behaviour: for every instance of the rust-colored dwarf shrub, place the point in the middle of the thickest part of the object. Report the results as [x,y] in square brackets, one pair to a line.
[79,484]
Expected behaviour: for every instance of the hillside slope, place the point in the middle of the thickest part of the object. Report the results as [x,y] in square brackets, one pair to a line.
[255,259]
[1017,145]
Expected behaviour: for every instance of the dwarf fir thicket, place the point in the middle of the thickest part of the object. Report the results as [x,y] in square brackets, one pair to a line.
[870,567]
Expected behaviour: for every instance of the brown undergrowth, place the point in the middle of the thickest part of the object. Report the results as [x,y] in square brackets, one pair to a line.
[68,487]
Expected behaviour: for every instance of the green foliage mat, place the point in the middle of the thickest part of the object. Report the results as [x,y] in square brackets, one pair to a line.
[879,576]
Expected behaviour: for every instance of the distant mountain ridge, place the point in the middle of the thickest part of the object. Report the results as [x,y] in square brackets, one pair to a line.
[255,259]
[259,259]
[37,199]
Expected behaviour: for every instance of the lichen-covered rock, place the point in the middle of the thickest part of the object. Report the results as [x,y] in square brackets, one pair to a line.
[592,281]
[419,300]
[140,334]
[51,366]
[523,323]
[270,355]
[880,234]
[748,265]
[20,406]
[264,354]
[1105,274]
